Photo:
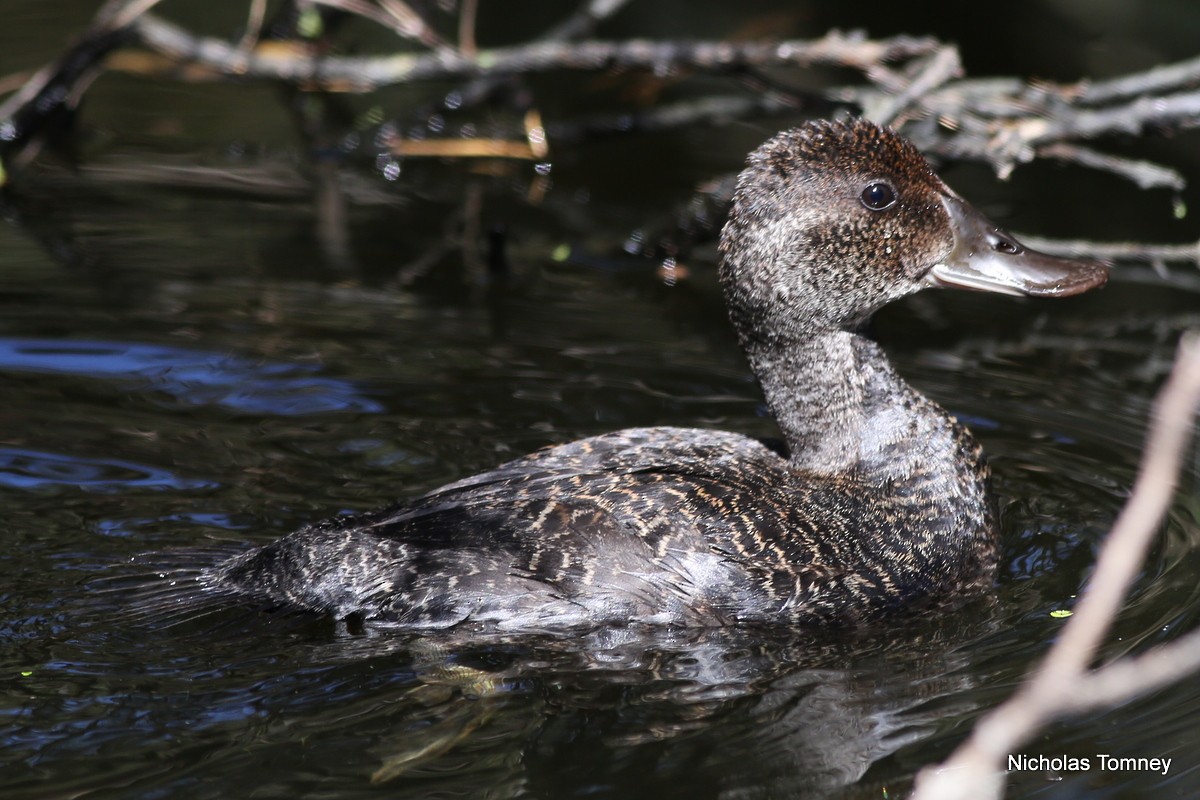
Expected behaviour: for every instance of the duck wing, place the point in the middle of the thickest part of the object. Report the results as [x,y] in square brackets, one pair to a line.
[656,525]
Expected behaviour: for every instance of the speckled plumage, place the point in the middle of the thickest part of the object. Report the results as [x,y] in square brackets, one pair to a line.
[881,504]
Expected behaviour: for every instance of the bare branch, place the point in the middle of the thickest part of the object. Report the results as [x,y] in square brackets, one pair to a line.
[466,28]
[579,24]
[254,23]
[366,73]
[124,13]
[1062,683]
[1185,74]
[1004,122]
[78,59]
[1145,174]
[1122,680]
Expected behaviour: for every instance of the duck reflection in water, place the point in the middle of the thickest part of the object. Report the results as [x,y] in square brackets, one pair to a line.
[736,711]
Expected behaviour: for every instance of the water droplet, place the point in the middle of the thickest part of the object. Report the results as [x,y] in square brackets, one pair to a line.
[633,245]
[666,271]
[385,135]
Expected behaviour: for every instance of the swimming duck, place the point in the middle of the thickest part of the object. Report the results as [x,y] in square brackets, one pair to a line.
[880,504]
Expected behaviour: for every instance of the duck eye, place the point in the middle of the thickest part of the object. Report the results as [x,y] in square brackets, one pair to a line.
[878,196]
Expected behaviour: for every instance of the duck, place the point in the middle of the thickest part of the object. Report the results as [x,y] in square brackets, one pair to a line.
[879,506]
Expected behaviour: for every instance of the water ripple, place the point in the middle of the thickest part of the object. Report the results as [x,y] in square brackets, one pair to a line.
[192,377]
[37,471]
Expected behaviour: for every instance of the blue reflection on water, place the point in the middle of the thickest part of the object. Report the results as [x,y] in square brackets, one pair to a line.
[34,470]
[130,527]
[192,377]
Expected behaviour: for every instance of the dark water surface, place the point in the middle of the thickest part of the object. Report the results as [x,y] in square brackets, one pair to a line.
[182,370]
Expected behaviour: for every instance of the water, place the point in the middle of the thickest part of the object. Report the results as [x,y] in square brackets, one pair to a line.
[183,371]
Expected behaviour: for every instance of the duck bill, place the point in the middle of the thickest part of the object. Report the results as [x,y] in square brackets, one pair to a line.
[987,259]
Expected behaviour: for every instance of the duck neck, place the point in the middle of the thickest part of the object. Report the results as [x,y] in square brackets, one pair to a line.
[843,410]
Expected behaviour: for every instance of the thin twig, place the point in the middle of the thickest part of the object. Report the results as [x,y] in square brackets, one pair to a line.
[1006,123]
[395,15]
[1146,174]
[583,21]
[1180,75]
[254,23]
[112,16]
[125,14]
[467,16]
[579,24]
[1135,675]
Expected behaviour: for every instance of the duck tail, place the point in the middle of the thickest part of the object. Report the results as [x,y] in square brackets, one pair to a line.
[173,588]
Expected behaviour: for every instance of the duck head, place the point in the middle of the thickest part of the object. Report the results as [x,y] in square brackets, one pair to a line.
[832,220]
